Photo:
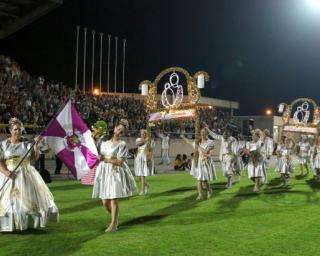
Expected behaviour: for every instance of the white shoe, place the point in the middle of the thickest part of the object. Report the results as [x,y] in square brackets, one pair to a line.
[199,197]
[146,189]
[142,193]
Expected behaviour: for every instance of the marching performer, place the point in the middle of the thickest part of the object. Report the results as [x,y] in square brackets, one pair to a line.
[114,179]
[238,149]
[22,193]
[165,146]
[256,166]
[226,156]
[316,159]
[144,162]
[284,164]
[304,152]
[205,170]
[267,146]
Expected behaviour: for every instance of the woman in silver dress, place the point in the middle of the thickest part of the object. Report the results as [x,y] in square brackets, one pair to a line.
[23,193]
[204,171]
[144,162]
[256,166]
[114,179]
[284,164]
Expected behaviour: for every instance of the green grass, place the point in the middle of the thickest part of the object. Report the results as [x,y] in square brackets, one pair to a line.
[277,221]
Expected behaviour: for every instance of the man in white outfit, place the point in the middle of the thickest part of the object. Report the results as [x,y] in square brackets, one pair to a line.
[226,156]
[267,146]
[165,145]
[304,153]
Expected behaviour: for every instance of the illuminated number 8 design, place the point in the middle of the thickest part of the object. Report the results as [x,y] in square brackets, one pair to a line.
[302,114]
[173,88]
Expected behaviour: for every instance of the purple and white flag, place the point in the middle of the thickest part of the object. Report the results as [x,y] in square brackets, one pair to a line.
[70,139]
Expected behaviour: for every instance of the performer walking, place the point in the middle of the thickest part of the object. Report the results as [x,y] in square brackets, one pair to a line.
[165,145]
[25,193]
[267,147]
[284,164]
[144,162]
[204,171]
[114,179]
[316,159]
[226,156]
[304,150]
[256,167]
[238,148]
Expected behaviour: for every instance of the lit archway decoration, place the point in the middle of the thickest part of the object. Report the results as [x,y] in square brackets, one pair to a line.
[301,116]
[176,108]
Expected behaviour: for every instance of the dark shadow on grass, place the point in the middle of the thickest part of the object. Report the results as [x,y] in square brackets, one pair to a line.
[301,177]
[231,204]
[220,183]
[171,192]
[275,182]
[81,207]
[313,184]
[185,204]
[29,231]
[73,186]
[143,220]
[282,190]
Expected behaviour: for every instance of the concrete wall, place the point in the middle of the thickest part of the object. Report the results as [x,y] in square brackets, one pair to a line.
[272,123]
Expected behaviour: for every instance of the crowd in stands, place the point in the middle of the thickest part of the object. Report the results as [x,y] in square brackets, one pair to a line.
[35,101]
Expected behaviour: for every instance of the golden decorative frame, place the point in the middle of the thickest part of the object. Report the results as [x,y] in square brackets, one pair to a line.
[288,108]
[194,96]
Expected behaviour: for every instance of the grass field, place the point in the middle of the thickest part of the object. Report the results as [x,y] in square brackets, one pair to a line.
[169,221]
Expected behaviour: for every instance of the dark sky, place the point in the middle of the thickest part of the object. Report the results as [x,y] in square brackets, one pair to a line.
[257,52]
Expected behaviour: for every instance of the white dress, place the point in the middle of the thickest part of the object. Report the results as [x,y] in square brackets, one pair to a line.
[304,154]
[284,164]
[113,181]
[205,169]
[316,159]
[143,166]
[26,194]
[256,168]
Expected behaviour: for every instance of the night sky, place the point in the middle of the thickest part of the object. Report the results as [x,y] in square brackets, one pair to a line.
[257,52]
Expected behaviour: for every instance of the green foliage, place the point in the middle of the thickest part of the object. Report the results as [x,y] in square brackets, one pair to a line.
[280,220]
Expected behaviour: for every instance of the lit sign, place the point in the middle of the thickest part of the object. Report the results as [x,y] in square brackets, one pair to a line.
[171,115]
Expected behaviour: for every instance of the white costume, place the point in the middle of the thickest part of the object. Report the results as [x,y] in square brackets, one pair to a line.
[316,159]
[267,149]
[143,166]
[226,156]
[204,170]
[284,164]
[165,159]
[238,146]
[113,181]
[304,152]
[256,166]
[26,194]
